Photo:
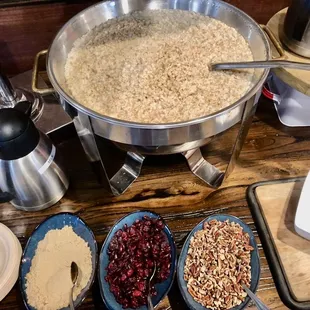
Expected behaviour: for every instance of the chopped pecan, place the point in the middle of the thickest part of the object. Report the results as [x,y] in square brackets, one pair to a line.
[218,264]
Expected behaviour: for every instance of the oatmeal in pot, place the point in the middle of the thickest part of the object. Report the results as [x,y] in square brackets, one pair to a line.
[152,67]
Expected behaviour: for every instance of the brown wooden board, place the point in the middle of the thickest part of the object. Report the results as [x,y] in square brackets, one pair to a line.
[273,206]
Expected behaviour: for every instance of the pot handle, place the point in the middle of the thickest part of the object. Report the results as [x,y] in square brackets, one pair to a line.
[5,197]
[275,42]
[35,76]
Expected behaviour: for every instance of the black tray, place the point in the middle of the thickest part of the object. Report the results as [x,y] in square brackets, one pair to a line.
[277,272]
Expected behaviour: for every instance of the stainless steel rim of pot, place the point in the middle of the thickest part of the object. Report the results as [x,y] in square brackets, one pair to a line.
[157,134]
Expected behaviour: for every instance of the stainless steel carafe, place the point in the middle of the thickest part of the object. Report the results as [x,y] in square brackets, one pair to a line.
[31,175]
[296,31]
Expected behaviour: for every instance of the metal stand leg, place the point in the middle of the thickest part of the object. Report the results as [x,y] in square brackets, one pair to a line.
[246,122]
[203,169]
[209,173]
[99,152]
[128,173]
[124,176]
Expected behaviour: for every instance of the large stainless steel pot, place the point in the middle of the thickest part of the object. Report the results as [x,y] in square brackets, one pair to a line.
[140,139]
[154,134]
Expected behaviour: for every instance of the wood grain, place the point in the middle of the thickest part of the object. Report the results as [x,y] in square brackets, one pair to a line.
[25,30]
[166,186]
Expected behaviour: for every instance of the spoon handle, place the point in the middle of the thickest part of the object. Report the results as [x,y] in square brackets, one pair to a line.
[259,304]
[261,64]
[149,303]
[71,299]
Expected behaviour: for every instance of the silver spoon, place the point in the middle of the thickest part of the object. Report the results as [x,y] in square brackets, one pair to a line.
[74,277]
[149,300]
[259,304]
[260,64]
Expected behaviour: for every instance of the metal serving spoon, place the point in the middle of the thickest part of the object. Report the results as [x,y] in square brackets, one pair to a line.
[149,300]
[259,304]
[74,277]
[260,64]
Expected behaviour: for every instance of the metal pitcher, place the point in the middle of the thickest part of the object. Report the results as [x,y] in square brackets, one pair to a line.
[296,31]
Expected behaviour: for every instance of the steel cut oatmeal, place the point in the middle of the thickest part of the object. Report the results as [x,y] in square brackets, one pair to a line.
[152,67]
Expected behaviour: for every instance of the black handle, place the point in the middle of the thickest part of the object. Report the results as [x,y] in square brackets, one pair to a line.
[5,197]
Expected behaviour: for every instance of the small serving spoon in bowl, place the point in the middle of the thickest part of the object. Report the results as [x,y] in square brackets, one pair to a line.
[149,300]
[74,277]
[259,304]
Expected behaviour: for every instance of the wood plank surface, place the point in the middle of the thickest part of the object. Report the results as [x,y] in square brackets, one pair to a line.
[279,203]
[25,30]
[166,186]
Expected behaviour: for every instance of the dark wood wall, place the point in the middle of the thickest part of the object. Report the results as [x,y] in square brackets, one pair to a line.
[6,3]
[27,29]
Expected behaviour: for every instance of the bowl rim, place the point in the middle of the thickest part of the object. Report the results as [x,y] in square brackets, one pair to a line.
[175,261]
[255,252]
[23,293]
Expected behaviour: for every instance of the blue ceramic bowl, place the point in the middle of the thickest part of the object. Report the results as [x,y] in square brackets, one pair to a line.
[255,262]
[57,221]
[161,288]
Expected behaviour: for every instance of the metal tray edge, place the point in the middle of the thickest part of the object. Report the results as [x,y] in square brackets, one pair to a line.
[268,245]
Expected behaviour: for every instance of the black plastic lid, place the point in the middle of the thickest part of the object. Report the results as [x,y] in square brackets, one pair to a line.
[18,134]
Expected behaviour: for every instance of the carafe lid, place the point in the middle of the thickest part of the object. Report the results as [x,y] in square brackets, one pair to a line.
[18,134]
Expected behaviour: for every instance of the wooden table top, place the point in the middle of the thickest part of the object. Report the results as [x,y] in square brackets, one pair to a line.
[166,186]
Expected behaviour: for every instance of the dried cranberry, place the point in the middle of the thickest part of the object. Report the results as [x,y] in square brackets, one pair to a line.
[136,293]
[130,272]
[132,252]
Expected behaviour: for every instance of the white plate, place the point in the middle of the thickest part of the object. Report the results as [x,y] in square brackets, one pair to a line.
[10,255]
